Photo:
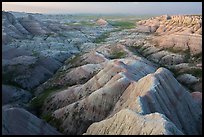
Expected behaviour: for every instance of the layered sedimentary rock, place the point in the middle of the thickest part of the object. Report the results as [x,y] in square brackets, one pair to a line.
[127,122]
[32,25]
[15,28]
[110,90]
[183,32]
[79,106]
[161,92]
[18,121]
[170,44]
[103,96]
[26,70]
[77,70]
[149,95]
[158,92]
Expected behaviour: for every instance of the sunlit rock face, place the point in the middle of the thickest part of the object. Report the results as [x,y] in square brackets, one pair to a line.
[144,95]
[182,32]
[119,124]
[161,92]
[101,22]
[94,100]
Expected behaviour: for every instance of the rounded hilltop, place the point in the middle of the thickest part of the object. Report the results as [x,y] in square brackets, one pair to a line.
[101,22]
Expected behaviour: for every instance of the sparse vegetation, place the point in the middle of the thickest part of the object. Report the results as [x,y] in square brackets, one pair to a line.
[52,121]
[38,102]
[35,53]
[8,77]
[48,35]
[118,54]
[73,60]
[104,36]
[123,24]
[173,50]
[195,72]
[62,35]
[81,23]
[198,56]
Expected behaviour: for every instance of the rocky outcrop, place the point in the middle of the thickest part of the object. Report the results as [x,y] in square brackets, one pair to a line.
[26,27]
[187,79]
[32,25]
[77,70]
[79,106]
[25,70]
[114,87]
[101,22]
[183,32]
[172,46]
[160,92]
[14,95]
[153,107]
[127,122]
[104,95]
[18,121]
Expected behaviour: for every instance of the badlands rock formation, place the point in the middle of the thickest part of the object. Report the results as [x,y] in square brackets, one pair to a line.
[183,32]
[79,106]
[32,51]
[21,122]
[118,86]
[170,44]
[25,70]
[148,93]
[127,122]
[101,22]
[14,95]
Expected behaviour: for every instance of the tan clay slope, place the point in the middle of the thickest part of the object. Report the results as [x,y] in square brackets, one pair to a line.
[159,92]
[127,122]
[180,32]
[120,84]
[81,105]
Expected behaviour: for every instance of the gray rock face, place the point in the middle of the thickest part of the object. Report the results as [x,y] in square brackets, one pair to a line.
[17,121]
[32,25]
[28,71]
[127,122]
[187,79]
[11,27]
[197,96]
[14,95]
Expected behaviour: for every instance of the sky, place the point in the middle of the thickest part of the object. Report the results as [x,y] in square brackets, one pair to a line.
[136,8]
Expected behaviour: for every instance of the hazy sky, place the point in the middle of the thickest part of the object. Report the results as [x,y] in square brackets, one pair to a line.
[106,7]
